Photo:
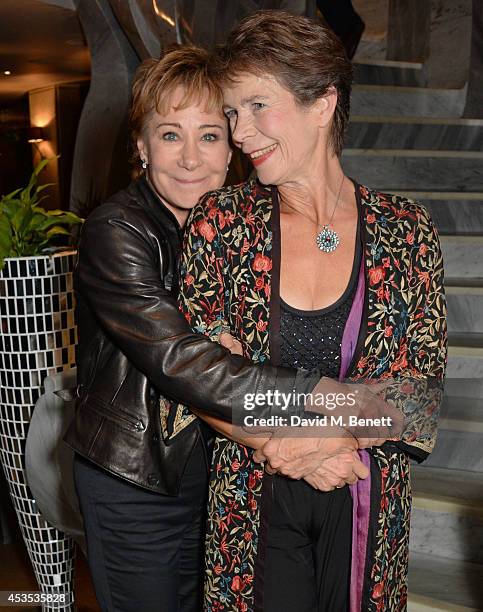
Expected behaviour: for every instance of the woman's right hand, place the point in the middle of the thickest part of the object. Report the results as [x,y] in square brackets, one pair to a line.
[231,343]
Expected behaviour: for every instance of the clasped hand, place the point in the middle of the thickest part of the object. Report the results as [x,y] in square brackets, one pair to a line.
[325,463]
[331,461]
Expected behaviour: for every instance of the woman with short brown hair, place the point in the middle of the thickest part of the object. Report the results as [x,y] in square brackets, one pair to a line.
[137,496]
[308,268]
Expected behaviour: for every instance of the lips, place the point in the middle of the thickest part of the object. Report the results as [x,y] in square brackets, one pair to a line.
[190,181]
[259,156]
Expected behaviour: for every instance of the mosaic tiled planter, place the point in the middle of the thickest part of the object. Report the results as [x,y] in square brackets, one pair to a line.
[38,338]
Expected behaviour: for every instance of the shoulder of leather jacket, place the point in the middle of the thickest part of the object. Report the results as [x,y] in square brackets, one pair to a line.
[143,216]
[122,206]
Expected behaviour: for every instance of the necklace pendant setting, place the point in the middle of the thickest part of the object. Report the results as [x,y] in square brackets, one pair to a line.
[327,240]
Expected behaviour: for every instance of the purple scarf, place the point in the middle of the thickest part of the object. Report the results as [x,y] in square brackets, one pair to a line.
[361,491]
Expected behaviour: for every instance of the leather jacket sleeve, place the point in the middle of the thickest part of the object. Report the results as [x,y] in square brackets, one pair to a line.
[118,276]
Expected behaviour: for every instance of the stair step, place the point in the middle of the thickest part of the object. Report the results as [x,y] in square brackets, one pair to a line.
[458,491]
[466,365]
[459,386]
[372,132]
[395,169]
[456,448]
[465,359]
[442,196]
[452,212]
[444,584]
[388,72]
[461,414]
[467,286]
[447,514]
[460,435]
[463,256]
[419,603]
[466,341]
[465,309]
[407,101]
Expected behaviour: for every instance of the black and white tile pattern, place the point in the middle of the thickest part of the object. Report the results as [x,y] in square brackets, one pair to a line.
[38,338]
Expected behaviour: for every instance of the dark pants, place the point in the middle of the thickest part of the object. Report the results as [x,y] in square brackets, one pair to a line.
[145,550]
[308,554]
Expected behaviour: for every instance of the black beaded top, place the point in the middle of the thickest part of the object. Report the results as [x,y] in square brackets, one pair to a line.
[312,339]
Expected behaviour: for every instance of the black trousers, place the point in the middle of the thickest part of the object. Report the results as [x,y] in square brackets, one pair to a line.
[308,553]
[145,550]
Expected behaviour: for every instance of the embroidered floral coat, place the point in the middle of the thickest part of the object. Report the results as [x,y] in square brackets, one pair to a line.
[230,280]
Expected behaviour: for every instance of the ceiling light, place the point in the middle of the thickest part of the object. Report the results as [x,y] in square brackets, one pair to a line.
[7,72]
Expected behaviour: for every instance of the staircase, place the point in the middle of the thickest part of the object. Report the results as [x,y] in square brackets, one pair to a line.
[406,138]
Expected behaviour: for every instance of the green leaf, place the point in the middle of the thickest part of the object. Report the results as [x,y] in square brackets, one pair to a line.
[26,227]
[36,222]
[26,194]
[18,218]
[10,207]
[67,218]
[40,210]
[5,239]
[12,194]
[41,165]
[42,187]
[54,212]
[57,229]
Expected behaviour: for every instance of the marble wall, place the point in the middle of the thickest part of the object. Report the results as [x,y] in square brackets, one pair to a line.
[408,30]
[474,101]
[394,30]
[120,34]
[450,36]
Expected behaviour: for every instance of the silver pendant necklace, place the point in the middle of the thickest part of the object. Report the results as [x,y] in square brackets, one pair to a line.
[327,239]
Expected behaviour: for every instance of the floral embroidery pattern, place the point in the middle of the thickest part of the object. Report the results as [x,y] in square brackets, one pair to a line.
[387,585]
[226,284]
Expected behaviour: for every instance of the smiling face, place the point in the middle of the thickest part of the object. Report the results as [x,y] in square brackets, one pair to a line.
[281,137]
[187,153]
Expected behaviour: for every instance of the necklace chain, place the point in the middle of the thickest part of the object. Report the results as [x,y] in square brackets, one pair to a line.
[327,240]
[336,203]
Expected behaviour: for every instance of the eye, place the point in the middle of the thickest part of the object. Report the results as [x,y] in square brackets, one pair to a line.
[170,136]
[258,105]
[230,113]
[209,137]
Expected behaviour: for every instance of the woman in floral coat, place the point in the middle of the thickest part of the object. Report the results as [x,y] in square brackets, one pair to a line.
[307,267]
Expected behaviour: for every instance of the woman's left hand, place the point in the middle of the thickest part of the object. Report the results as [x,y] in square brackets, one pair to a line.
[329,476]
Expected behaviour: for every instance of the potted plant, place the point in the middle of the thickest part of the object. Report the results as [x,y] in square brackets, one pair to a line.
[37,339]
[26,228]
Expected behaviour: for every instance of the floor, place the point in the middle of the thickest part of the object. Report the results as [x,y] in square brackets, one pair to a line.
[16,575]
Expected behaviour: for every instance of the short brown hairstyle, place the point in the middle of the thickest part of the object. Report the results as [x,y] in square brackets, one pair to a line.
[156,80]
[304,55]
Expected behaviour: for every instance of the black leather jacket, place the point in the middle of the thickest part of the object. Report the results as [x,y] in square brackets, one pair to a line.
[135,345]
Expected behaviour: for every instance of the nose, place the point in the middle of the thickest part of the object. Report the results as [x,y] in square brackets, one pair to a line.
[241,129]
[190,157]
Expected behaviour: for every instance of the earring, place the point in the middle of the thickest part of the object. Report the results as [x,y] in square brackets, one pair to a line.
[228,167]
[144,164]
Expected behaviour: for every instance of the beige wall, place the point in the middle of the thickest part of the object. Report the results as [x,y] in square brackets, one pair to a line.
[42,104]
[56,109]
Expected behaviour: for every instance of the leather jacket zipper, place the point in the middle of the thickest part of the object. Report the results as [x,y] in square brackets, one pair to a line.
[114,414]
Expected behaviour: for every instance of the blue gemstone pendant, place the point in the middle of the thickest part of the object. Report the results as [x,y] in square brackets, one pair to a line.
[327,240]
